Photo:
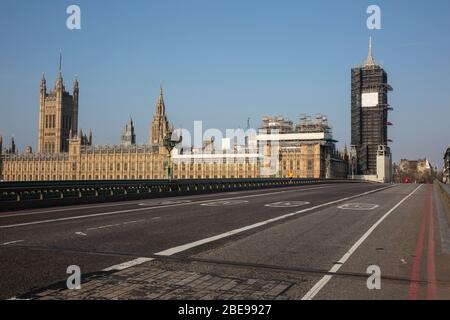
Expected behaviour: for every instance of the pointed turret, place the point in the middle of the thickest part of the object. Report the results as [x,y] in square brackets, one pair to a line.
[160,125]
[90,137]
[128,137]
[75,84]
[59,79]
[370,60]
[13,146]
[43,83]
[160,107]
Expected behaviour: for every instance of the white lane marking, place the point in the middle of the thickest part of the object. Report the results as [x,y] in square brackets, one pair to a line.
[137,203]
[79,233]
[187,246]
[163,203]
[12,242]
[322,282]
[358,206]
[224,203]
[144,209]
[128,264]
[287,204]
[115,225]
[134,221]
[62,210]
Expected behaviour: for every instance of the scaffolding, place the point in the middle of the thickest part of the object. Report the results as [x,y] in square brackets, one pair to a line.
[276,123]
[318,123]
[369,123]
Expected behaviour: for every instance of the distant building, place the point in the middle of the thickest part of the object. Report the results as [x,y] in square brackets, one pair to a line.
[84,161]
[305,150]
[420,171]
[128,137]
[58,116]
[369,121]
[446,171]
[160,125]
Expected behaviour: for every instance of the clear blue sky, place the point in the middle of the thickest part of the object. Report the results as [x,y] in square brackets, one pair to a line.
[222,61]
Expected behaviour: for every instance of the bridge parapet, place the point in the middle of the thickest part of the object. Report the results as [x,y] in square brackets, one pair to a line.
[38,194]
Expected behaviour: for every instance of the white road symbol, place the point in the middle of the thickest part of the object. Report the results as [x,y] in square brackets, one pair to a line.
[287,204]
[224,203]
[358,206]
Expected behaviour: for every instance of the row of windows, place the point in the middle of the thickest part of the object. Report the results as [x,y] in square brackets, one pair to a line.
[216,176]
[66,122]
[213,165]
[49,147]
[25,177]
[50,121]
[90,166]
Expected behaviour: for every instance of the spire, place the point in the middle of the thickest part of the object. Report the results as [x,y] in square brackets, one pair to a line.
[13,145]
[59,80]
[43,82]
[370,60]
[60,61]
[160,107]
[75,84]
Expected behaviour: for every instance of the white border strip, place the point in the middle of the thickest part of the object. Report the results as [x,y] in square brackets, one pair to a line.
[322,282]
[128,264]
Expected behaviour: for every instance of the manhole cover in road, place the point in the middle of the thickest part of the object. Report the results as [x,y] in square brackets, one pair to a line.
[224,203]
[358,206]
[287,204]
[164,202]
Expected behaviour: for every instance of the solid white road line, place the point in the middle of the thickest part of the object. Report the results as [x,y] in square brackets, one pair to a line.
[139,202]
[187,246]
[128,264]
[12,242]
[322,282]
[148,208]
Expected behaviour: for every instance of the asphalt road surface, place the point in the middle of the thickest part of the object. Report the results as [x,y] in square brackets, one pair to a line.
[321,238]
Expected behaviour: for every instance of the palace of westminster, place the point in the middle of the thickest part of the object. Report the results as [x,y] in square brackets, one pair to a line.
[305,150]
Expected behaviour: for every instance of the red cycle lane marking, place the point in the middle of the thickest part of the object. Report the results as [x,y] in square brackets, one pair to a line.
[431,268]
[415,274]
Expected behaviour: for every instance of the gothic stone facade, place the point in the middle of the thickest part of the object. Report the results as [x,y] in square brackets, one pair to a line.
[64,155]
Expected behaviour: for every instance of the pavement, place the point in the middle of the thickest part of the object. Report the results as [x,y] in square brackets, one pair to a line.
[308,242]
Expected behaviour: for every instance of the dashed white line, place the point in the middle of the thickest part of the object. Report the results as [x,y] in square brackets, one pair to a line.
[115,225]
[134,221]
[12,242]
[128,264]
[335,268]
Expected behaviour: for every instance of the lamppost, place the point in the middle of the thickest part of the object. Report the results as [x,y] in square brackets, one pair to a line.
[169,144]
